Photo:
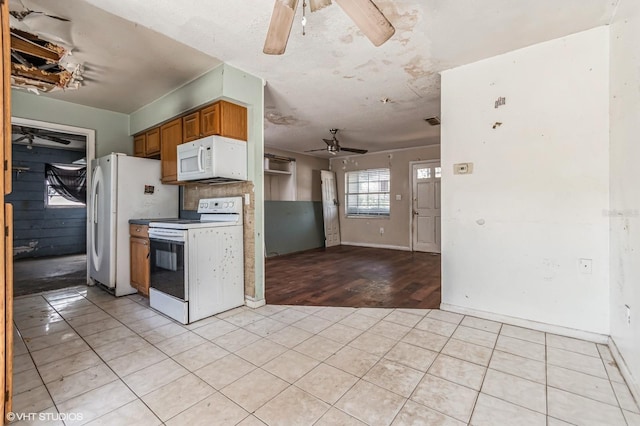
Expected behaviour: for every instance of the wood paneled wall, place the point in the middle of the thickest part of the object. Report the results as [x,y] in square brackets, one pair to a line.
[41,231]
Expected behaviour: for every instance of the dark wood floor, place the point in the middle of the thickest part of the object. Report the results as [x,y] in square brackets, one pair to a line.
[355,277]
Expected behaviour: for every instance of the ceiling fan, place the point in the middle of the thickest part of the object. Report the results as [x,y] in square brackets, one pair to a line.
[29,134]
[333,145]
[364,13]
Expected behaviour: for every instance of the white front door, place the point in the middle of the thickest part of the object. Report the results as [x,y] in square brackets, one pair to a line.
[330,209]
[426,206]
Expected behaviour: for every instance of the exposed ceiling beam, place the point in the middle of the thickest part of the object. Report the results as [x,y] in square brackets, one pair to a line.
[22,45]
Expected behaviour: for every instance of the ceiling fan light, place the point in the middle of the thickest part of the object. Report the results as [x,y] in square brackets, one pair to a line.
[280,27]
[366,15]
[318,4]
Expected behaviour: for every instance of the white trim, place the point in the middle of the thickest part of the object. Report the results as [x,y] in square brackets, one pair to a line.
[411,164]
[90,153]
[382,246]
[634,386]
[253,303]
[534,325]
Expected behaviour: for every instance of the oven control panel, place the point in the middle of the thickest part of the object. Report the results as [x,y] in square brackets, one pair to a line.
[220,205]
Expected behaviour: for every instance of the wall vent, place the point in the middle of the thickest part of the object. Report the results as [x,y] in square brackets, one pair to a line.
[434,121]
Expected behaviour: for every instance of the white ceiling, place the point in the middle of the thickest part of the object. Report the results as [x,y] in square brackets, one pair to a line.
[333,76]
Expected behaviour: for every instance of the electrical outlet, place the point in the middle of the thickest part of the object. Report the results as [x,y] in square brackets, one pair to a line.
[381,230]
[586,266]
[463,169]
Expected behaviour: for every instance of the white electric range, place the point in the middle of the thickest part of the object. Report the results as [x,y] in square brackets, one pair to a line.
[197,266]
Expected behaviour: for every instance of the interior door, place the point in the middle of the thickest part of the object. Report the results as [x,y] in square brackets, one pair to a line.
[330,208]
[6,221]
[426,206]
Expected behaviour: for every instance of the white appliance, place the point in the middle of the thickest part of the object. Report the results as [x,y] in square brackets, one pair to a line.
[213,159]
[197,266]
[123,188]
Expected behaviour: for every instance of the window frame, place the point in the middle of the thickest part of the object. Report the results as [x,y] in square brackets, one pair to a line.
[48,196]
[368,215]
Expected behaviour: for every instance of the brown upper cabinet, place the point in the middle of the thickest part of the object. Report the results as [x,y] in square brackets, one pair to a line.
[171,137]
[229,120]
[191,127]
[139,142]
[221,118]
[147,144]
[152,144]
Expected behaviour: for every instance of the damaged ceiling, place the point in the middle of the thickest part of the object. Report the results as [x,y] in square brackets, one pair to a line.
[332,77]
[114,64]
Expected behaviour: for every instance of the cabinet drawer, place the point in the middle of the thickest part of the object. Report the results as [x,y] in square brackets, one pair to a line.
[141,231]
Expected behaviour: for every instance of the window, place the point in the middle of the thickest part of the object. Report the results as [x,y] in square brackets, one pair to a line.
[424,173]
[367,192]
[65,185]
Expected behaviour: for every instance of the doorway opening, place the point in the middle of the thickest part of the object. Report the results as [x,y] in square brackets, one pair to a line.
[50,207]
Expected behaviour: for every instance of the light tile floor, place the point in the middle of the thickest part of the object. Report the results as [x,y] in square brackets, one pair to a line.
[88,357]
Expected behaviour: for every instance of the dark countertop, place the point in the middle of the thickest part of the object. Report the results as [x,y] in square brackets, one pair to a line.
[146,221]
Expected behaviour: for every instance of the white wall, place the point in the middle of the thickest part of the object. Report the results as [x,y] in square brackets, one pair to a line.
[625,177]
[366,231]
[514,230]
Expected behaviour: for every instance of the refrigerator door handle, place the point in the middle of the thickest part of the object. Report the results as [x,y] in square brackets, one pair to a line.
[95,188]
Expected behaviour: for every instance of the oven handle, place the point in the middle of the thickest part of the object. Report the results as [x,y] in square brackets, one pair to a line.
[166,240]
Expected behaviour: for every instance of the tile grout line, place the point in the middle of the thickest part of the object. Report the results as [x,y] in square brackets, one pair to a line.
[118,378]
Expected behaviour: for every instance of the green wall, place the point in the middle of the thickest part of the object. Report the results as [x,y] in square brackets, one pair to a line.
[112,128]
[292,226]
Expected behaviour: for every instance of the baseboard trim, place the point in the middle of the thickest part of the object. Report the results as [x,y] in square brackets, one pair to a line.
[633,385]
[534,325]
[253,303]
[382,246]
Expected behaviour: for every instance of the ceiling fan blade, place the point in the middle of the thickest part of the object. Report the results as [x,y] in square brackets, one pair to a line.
[314,150]
[21,138]
[280,27]
[366,15]
[54,139]
[318,4]
[356,150]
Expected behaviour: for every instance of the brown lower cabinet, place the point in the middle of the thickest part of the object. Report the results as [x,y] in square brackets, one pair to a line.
[139,255]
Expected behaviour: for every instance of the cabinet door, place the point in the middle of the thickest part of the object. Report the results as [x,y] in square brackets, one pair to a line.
[139,249]
[191,127]
[139,145]
[210,120]
[152,144]
[233,121]
[171,137]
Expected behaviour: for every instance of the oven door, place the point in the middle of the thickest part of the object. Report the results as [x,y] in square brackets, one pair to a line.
[167,267]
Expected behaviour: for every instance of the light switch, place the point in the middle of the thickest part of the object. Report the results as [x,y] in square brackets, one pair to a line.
[398,197]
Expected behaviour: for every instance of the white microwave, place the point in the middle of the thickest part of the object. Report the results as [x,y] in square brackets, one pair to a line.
[213,159]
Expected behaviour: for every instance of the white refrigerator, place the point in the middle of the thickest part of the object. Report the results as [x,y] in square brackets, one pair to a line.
[123,188]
